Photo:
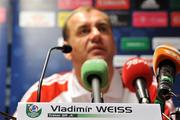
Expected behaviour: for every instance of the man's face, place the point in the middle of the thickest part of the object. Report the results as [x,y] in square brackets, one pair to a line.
[90,36]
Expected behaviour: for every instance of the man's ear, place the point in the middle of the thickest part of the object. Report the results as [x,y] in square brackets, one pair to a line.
[67,55]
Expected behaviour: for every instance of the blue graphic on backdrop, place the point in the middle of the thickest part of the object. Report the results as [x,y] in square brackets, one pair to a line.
[3,64]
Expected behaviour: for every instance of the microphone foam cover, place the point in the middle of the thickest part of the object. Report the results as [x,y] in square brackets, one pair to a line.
[166,52]
[136,68]
[94,67]
[66,49]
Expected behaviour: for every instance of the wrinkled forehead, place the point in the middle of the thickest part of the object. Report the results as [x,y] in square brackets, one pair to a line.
[81,17]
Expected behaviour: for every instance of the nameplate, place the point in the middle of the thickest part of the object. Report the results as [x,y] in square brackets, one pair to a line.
[88,111]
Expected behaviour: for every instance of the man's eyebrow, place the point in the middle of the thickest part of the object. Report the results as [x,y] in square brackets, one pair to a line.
[106,23]
[81,26]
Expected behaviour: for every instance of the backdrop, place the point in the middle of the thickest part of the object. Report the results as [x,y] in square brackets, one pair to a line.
[138,26]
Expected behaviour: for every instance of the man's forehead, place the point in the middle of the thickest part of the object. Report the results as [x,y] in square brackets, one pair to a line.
[82,17]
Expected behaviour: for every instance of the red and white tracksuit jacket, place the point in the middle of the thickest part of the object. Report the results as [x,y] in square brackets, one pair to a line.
[65,88]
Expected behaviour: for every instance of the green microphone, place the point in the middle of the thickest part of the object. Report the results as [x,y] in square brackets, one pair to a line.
[94,76]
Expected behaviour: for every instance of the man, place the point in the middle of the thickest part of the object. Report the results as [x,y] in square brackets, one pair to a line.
[89,32]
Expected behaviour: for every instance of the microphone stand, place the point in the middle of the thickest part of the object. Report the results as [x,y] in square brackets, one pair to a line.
[141,91]
[43,73]
[96,94]
[65,49]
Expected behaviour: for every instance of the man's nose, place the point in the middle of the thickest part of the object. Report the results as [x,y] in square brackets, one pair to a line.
[95,34]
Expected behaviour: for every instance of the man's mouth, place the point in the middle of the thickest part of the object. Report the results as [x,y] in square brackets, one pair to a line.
[96,50]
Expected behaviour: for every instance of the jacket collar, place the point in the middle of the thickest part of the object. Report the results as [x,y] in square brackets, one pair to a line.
[80,94]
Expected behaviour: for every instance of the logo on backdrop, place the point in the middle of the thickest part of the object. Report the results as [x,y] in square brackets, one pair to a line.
[33,111]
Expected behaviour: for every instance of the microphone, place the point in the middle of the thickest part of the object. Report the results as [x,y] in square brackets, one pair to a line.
[161,103]
[94,76]
[64,49]
[166,64]
[137,77]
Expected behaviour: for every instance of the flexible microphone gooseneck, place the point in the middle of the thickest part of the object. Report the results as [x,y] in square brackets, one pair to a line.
[64,49]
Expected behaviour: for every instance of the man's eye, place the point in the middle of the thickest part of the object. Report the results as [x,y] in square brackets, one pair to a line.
[84,31]
[103,29]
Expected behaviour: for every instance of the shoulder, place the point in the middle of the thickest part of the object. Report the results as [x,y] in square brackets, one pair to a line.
[58,77]
[51,83]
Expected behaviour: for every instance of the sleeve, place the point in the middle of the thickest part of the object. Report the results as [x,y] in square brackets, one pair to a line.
[52,87]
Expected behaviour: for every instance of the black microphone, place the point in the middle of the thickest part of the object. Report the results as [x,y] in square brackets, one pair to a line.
[166,64]
[64,49]
[177,113]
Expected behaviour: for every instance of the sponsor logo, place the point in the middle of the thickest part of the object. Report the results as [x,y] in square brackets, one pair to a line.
[113,4]
[72,4]
[33,111]
[134,62]
[175,19]
[61,18]
[120,19]
[150,19]
[37,19]
[2,15]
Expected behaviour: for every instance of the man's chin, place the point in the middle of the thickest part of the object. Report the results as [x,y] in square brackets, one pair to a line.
[97,57]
